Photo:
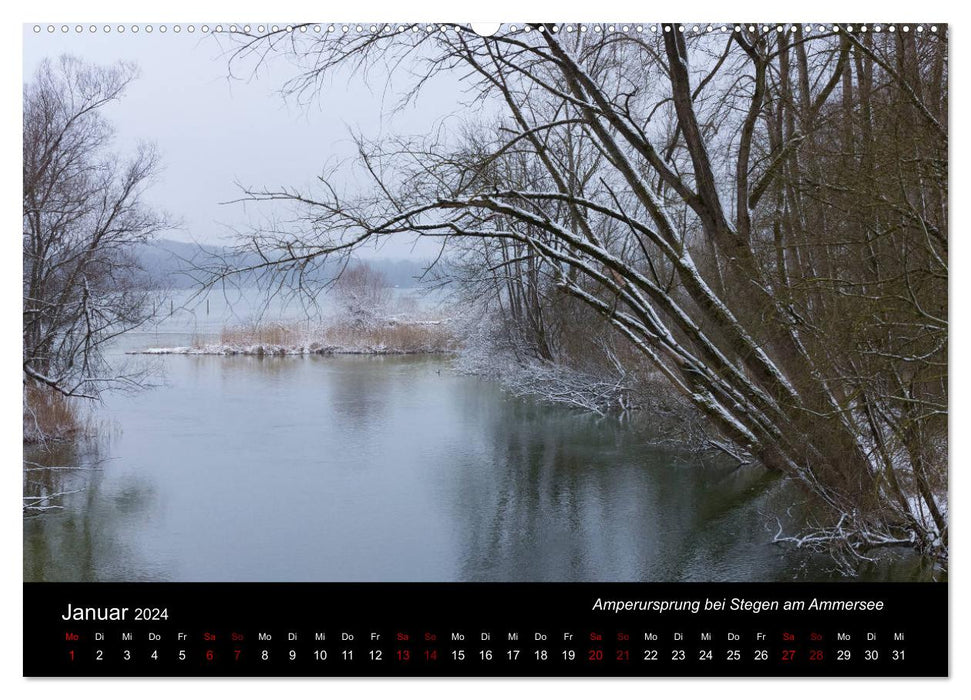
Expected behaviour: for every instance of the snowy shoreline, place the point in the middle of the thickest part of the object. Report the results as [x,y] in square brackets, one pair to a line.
[394,335]
[263,350]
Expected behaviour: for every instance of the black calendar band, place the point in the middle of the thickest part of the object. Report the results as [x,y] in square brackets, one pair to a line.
[485,629]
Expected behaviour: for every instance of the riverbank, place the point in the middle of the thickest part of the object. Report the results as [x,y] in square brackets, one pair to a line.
[391,336]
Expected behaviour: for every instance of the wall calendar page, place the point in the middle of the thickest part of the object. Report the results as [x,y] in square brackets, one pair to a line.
[445,349]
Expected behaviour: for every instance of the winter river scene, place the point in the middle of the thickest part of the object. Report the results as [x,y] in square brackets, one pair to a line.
[412,303]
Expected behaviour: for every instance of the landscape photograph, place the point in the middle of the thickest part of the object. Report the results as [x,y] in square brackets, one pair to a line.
[421,302]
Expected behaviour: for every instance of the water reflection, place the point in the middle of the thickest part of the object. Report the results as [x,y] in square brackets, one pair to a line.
[575,497]
[361,395]
[90,538]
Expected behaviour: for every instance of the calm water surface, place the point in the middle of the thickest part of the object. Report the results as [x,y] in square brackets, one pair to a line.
[387,469]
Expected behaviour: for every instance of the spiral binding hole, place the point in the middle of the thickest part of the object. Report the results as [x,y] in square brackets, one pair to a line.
[486,30]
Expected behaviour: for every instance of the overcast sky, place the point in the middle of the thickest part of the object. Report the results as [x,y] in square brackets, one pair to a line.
[212,132]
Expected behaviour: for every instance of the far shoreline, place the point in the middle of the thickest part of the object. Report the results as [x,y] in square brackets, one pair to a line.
[391,336]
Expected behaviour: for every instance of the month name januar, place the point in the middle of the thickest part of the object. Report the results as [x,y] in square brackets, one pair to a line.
[81,614]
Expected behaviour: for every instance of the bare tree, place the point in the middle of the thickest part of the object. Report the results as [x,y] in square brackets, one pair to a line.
[762,215]
[362,292]
[83,211]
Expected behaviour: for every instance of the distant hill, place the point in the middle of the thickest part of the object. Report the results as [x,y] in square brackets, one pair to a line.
[172,264]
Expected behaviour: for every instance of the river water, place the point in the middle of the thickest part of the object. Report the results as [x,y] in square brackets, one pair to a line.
[387,469]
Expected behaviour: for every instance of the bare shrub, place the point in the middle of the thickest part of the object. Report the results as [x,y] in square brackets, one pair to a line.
[49,415]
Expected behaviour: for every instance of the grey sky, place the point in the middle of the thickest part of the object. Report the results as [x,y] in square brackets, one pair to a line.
[212,132]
